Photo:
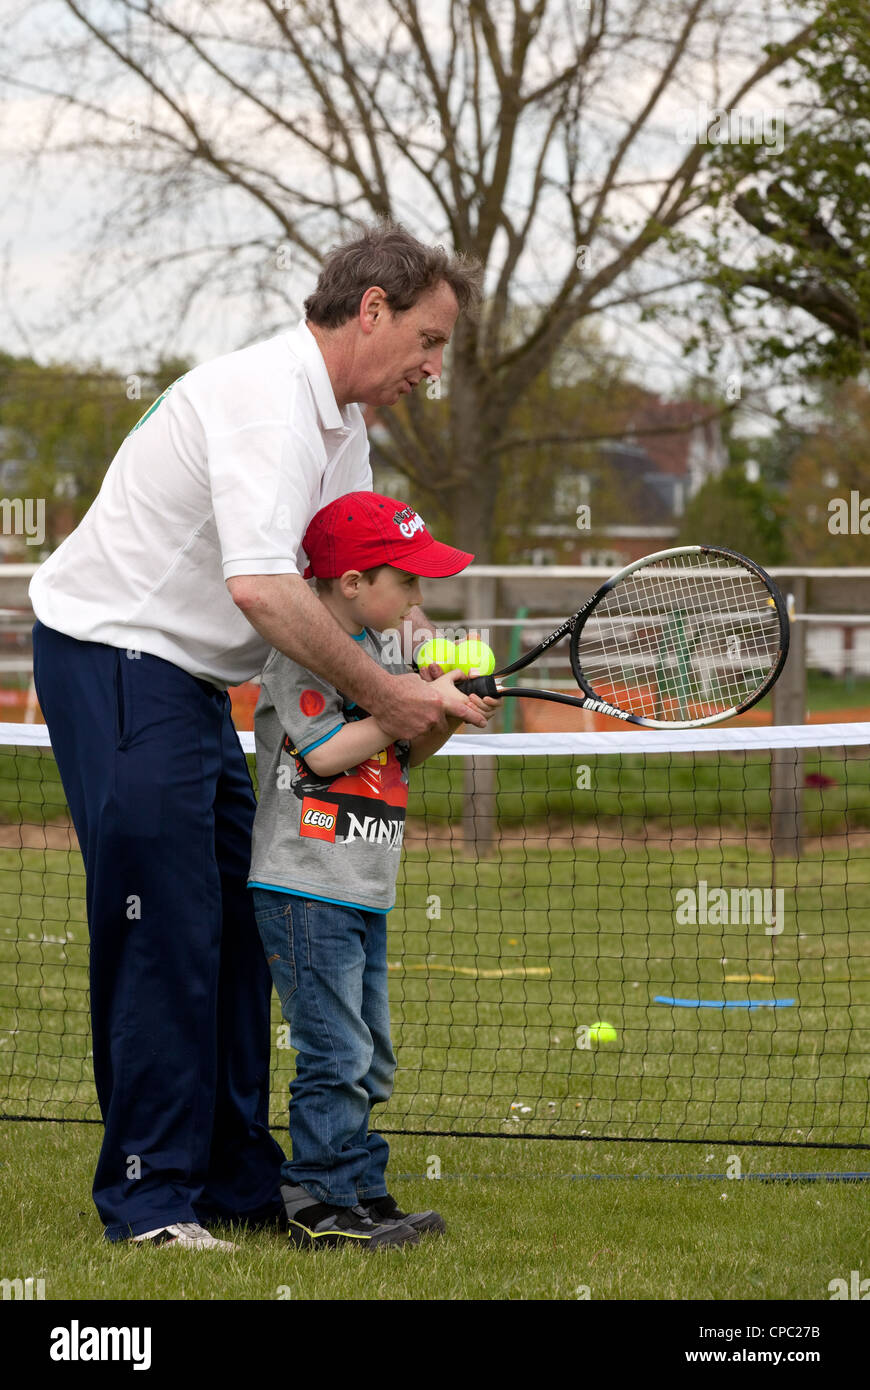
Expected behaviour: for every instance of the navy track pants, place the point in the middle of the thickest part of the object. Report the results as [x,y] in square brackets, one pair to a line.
[163,806]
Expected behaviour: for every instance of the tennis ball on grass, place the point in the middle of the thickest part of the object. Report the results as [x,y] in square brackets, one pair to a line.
[475,656]
[439,652]
[602,1032]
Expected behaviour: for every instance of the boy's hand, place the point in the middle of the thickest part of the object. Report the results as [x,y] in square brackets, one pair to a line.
[486,706]
[431,672]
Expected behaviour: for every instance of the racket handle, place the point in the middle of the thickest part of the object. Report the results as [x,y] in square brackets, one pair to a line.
[479,685]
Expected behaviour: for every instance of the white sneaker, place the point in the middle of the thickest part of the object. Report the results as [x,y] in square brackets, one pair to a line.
[186,1234]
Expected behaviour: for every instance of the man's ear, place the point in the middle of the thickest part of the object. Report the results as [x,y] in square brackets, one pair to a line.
[372,307]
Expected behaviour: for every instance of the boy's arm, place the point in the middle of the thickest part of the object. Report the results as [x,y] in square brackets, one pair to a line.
[350,746]
[425,745]
[365,737]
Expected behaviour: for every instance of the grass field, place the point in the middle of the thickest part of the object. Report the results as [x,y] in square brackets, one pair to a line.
[625,793]
[497,959]
[487,999]
[836,692]
[522,1224]
[828,692]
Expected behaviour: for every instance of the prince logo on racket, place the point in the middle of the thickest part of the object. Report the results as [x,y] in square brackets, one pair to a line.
[324,866]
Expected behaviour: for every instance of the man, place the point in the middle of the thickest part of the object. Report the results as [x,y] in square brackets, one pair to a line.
[184,572]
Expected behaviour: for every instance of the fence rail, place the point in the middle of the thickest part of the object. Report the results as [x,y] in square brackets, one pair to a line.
[829,610]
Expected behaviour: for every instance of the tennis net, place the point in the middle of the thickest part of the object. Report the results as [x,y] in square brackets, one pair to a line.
[629,935]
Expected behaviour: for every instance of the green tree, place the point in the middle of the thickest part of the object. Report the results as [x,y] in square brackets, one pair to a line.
[732,511]
[809,205]
[62,425]
[830,479]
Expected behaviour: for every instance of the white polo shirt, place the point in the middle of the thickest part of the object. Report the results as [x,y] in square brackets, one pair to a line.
[220,477]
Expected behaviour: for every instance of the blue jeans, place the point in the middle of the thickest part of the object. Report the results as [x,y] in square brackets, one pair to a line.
[329,966]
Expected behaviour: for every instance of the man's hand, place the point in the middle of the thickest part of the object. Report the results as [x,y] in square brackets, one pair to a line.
[487,706]
[409,706]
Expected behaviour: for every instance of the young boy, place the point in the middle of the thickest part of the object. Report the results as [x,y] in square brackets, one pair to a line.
[327,837]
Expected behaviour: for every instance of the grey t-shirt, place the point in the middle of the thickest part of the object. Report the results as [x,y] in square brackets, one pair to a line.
[336,837]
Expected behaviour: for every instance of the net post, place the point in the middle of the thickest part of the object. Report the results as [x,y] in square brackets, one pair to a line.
[786,764]
[479,774]
[479,805]
[786,787]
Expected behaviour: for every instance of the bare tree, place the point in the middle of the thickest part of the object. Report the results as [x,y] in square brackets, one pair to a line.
[539,139]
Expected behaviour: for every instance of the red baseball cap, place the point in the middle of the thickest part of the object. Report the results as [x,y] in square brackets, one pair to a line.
[364,529]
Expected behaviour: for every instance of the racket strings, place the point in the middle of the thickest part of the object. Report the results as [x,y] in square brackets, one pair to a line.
[681,638]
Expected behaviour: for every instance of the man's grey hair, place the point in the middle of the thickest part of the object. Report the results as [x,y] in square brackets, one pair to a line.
[387,255]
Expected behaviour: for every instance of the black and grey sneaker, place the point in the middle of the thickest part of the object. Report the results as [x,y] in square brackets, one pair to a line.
[313,1224]
[387,1209]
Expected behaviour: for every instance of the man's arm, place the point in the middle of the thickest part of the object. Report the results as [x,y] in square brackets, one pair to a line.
[285,612]
[426,744]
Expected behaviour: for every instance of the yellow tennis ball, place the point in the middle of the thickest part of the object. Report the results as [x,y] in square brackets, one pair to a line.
[475,656]
[602,1032]
[437,651]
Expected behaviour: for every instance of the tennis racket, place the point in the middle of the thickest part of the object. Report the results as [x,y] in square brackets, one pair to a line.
[686,637]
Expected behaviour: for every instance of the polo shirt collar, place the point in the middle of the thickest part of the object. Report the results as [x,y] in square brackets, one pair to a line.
[305,343]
